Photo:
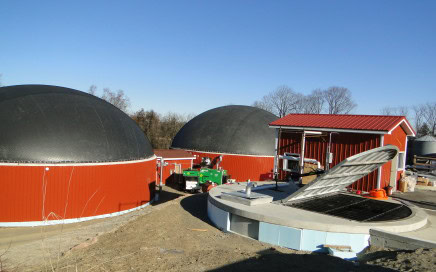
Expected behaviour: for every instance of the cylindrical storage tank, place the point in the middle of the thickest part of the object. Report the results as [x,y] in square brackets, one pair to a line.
[68,156]
[425,146]
[239,135]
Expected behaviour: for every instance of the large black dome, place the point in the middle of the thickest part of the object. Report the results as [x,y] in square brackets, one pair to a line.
[50,124]
[229,129]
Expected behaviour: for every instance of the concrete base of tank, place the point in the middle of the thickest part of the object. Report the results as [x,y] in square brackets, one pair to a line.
[296,228]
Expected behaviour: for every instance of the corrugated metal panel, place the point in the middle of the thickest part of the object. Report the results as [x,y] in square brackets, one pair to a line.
[32,193]
[345,173]
[343,146]
[242,168]
[340,121]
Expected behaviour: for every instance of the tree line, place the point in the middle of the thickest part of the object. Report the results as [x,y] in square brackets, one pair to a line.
[283,101]
[423,116]
[160,129]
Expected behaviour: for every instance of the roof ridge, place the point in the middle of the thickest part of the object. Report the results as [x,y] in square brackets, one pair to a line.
[328,114]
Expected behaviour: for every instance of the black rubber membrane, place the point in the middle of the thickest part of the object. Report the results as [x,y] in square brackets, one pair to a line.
[354,208]
[51,124]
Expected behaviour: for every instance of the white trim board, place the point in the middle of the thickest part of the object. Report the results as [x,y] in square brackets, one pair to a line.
[76,163]
[212,152]
[176,159]
[408,133]
[334,130]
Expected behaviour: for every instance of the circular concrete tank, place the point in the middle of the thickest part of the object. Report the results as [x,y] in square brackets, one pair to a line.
[317,214]
[68,156]
[238,134]
[425,146]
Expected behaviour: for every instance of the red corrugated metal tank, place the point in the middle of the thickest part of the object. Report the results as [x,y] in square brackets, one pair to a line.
[239,134]
[67,156]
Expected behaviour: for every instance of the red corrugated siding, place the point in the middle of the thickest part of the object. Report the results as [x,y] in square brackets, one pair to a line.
[398,138]
[31,193]
[343,146]
[170,168]
[242,168]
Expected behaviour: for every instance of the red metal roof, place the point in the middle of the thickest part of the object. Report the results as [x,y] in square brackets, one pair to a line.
[381,123]
[172,153]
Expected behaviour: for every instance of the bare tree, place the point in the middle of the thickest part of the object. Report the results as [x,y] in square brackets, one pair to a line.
[418,118]
[314,102]
[399,111]
[262,105]
[429,114]
[425,115]
[339,100]
[92,90]
[118,99]
[281,102]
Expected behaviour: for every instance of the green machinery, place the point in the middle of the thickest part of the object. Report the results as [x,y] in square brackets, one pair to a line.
[194,179]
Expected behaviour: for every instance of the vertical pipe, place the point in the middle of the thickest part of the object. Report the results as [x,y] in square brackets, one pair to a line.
[327,156]
[276,153]
[379,174]
[303,143]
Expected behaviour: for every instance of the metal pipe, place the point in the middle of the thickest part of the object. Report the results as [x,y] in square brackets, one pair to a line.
[379,171]
[162,161]
[248,188]
[276,153]
[303,143]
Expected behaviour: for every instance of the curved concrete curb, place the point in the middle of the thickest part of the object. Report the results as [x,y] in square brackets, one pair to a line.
[295,228]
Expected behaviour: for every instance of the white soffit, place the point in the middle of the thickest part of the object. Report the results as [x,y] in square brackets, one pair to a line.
[346,172]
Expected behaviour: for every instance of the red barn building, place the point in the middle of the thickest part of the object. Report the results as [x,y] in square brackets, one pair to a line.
[343,136]
[235,138]
[171,162]
[68,156]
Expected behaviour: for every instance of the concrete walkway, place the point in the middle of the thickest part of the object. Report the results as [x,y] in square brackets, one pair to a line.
[424,197]
[426,233]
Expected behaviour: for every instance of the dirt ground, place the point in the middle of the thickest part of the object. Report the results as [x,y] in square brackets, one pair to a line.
[176,235]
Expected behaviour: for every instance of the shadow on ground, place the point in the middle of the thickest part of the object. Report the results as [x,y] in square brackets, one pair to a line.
[272,260]
[167,194]
[196,205]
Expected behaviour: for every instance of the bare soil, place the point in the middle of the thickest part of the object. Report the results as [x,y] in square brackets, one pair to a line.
[176,235]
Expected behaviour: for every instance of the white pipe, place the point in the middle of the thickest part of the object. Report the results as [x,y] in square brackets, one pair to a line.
[379,172]
[162,162]
[303,143]
[276,151]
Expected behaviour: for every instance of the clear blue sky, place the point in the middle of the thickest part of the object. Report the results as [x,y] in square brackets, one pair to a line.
[190,56]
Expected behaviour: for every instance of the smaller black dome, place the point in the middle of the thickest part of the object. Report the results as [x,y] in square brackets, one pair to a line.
[230,129]
[50,124]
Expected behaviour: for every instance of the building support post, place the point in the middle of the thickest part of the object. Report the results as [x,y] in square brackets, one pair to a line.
[379,171]
[276,154]
[303,143]
[162,165]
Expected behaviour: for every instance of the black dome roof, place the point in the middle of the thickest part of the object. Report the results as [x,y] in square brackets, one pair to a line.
[229,129]
[50,124]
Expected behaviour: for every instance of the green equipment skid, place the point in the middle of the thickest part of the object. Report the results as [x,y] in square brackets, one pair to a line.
[195,178]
